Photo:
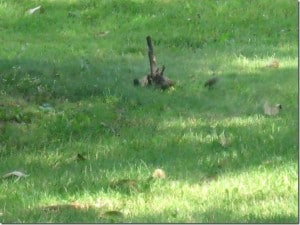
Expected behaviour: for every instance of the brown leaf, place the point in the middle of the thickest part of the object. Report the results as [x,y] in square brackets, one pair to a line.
[159,174]
[36,9]
[271,110]
[273,63]
[101,34]
[223,140]
[15,174]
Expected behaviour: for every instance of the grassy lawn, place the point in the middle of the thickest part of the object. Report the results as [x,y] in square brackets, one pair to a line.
[66,79]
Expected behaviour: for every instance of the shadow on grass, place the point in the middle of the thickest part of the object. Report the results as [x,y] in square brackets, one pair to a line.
[71,214]
[217,215]
[67,213]
[220,215]
[141,108]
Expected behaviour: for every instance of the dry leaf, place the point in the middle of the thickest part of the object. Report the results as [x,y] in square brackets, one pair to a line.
[223,140]
[15,173]
[36,9]
[273,63]
[103,33]
[159,174]
[271,110]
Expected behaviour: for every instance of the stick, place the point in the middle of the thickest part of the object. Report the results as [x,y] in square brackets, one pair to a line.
[151,56]
[162,70]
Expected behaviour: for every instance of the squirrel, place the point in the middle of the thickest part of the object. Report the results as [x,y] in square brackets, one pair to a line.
[211,82]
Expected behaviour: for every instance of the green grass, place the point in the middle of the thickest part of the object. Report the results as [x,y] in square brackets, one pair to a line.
[67,89]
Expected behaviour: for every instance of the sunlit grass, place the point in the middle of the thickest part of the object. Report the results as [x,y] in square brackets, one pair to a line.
[67,90]
[198,122]
[256,64]
[260,193]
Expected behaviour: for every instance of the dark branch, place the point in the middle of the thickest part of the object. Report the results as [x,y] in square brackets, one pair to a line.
[162,70]
[151,56]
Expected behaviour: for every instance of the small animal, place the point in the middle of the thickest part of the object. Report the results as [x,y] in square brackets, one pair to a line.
[164,82]
[157,80]
[144,81]
[271,110]
[211,82]
[80,157]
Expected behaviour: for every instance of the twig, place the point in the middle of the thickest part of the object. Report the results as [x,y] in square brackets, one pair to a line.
[152,59]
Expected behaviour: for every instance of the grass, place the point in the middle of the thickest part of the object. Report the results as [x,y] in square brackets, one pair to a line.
[66,89]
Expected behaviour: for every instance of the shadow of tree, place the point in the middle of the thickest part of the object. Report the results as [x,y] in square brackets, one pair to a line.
[71,213]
